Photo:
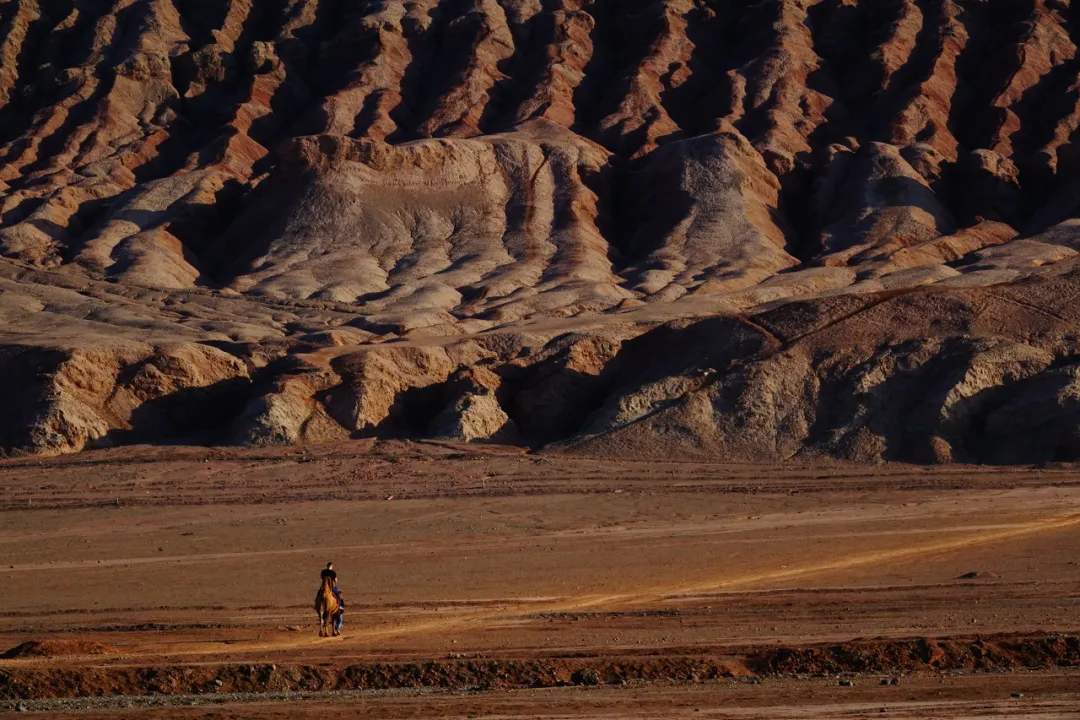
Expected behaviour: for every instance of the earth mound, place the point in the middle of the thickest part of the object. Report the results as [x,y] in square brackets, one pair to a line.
[55,648]
[995,654]
[676,227]
[876,657]
[978,575]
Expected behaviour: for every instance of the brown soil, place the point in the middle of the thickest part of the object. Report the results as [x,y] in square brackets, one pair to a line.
[495,583]
[924,654]
[55,648]
[995,654]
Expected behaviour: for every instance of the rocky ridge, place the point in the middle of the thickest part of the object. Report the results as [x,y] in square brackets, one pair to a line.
[707,228]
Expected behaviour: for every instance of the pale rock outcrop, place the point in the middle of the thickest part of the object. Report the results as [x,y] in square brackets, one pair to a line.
[876,199]
[555,388]
[289,412]
[950,248]
[759,411]
[373,393]
[63,400]
[473,412]
[654,370]
[474,417]
[433,225]
[138,241]
[1040,420]
[705,218]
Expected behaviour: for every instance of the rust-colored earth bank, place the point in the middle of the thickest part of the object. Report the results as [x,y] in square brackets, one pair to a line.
[707,229]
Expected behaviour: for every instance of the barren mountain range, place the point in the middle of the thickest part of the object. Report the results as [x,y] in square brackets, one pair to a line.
[724,229]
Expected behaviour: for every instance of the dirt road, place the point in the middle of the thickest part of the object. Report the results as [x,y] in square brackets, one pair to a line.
[676,583]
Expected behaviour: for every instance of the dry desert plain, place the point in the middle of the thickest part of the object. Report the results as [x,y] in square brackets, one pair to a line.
[489,582]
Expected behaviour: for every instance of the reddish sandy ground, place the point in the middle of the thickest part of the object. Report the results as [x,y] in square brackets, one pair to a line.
[192,558]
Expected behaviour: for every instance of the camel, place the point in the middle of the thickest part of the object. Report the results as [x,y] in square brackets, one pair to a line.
[328,609]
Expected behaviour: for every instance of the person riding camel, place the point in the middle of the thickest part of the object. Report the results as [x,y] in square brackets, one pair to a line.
[329,572]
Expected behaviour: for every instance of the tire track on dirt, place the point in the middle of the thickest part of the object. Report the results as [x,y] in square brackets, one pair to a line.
[623,600]
[1048,525]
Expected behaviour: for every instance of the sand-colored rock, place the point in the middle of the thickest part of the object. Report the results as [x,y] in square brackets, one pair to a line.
[433,225]
[727,230]
[705,218]
[474,417]
[880,200]
[375,390]
[1039,420]
[66,399]
[880,381]
[138,241]
[950,248]
[555,388]
[289,412]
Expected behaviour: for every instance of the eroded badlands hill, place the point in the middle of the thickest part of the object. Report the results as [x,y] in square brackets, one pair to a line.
[705,228]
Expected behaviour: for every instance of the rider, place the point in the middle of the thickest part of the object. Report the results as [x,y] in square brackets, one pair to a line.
[329,572]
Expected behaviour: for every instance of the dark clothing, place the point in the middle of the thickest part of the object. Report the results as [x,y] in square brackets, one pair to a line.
[329,574]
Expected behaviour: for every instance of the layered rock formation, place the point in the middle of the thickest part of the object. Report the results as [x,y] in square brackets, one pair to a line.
[701,228]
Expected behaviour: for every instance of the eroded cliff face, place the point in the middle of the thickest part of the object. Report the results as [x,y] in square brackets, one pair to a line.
[686,227]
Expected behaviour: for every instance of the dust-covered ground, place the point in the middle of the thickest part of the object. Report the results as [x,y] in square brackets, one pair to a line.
[178,583]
